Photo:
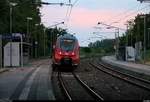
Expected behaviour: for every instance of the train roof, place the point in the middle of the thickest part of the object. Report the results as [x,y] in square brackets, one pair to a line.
[68,36]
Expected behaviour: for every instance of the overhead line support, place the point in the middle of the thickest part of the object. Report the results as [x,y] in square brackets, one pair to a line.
[47,3]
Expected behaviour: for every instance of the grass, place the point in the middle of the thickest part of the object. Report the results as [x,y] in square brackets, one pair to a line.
[92,53]
[147,56]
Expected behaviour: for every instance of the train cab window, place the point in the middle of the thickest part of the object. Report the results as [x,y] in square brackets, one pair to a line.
[67,44]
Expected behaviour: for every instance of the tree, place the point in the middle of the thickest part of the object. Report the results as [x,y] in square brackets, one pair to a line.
[52,34]
[107,45]
[24,9]
[135,33]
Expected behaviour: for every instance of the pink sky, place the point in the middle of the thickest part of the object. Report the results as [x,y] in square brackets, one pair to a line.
[84,17]
[82,20]
[80,17]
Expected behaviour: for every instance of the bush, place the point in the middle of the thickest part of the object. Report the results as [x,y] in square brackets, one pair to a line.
[87,50]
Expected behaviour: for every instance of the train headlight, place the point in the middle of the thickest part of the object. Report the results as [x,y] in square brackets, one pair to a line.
[72,53]
[60,53]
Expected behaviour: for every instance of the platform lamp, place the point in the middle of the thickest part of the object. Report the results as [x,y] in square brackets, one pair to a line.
[36,42]
[144,44]
[28,36]
[11,5]
[148,37]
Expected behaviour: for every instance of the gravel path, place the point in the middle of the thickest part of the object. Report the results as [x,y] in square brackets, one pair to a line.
[111,88]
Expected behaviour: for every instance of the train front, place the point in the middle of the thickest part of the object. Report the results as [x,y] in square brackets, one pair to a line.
[67,52]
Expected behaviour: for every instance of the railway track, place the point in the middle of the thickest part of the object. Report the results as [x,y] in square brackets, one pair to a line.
[84,88]
[139,82]
[63,86]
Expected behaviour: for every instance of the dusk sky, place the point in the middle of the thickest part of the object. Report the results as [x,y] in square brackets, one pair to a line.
[87,13]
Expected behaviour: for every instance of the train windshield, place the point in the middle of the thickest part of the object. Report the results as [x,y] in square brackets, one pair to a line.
[67,44]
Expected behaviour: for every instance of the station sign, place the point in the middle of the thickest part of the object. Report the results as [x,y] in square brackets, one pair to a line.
[13,36]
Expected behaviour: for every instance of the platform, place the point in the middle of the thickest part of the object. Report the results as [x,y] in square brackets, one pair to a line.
[132,66]
[3,70]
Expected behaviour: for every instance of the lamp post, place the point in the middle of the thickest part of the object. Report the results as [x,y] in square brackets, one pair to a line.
[148,37]
[145,1]
[0,51]
[127,35]
[36,42]
[44,40]
[116,41]
[28,35]
[130,22]
[11,5]
[144,44]
[21,46]
[116,33]
[28,21]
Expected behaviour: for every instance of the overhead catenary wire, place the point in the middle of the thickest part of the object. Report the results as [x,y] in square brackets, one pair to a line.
[68,14]
[122,13]
[125,14]
[130,14]
[75,2]
[71,9]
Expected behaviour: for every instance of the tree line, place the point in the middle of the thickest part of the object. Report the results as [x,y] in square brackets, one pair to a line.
[40,36]
[135,31]
[134,34]
[106,44]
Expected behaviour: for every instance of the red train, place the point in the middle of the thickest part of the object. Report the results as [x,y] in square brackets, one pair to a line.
[66,51]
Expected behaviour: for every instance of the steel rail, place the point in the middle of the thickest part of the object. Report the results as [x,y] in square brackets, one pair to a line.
[64,87]
[119,77]
[98,97]
[137,78]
